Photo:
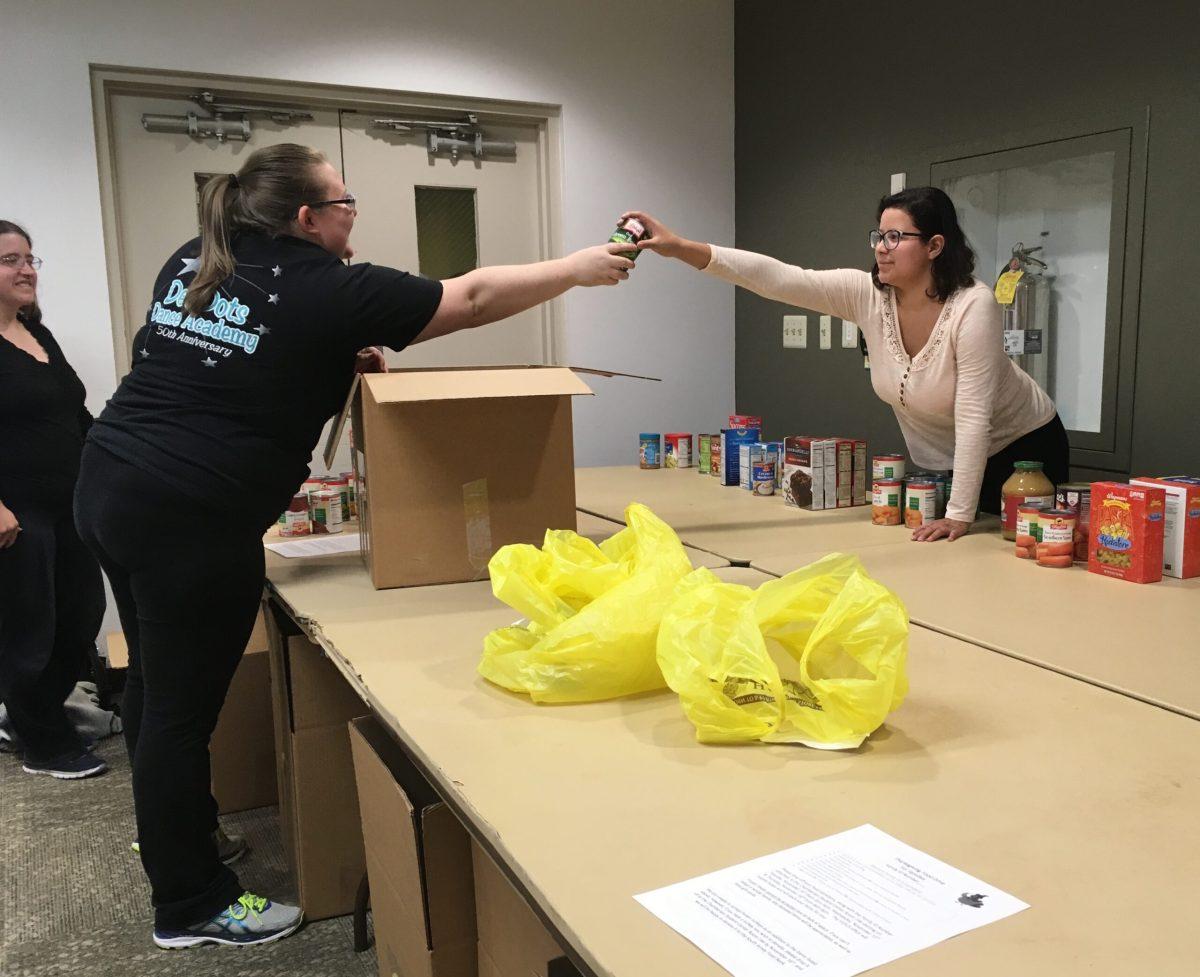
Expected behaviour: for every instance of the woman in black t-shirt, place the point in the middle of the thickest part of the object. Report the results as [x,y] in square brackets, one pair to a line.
[251,340]
[51,594]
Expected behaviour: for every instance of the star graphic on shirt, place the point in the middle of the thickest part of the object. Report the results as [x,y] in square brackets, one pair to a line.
[209,361]
[273,299]
[190,266]
[261,329]
[277,271]
[144,352]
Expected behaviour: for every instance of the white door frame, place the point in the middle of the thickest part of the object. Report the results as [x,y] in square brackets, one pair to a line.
[110,80]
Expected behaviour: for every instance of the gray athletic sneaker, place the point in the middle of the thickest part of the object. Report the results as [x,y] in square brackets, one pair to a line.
[249,921]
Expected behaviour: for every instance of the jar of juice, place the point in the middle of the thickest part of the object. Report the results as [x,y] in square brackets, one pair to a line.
[1027,483]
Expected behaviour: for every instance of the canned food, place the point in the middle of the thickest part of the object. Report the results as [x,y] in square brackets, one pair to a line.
[629,230]
[679,451]
[1028,529]
[650,450]
[920,503]
[341,485]
[749,456]
[327,511]
[887,468]
[704,454]
[1056,548]
[1077,497]
[352,511]
[763,478]
[778,446]
[885,502]
[296,521]
[312,484]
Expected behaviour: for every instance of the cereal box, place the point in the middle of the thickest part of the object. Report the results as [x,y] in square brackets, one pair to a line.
[731,456]
[1181,533]
[1126,532]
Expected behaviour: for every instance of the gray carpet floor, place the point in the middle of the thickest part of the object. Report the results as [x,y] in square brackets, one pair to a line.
[74,901]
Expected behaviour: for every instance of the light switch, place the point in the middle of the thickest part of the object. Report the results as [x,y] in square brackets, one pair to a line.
[826,332]
[849,335]
[898,181]
[795,331]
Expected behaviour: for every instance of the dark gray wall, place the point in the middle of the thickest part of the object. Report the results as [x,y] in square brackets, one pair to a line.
[832,99]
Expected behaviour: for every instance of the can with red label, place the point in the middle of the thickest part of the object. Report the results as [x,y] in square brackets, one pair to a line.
[885,502]
[341,485]
[1056,545]
[763,477]
[296,521]
[327,511]
[920,503]
[678,453]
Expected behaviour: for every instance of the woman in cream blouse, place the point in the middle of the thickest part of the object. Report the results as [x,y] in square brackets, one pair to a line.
[935,340]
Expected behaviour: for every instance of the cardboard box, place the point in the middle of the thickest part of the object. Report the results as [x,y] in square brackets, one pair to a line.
[804,472]
[244,774]
[513,941]
[732,440]
[1181,533]
[1126,531]
[418,861]
[452,464]
[318,803]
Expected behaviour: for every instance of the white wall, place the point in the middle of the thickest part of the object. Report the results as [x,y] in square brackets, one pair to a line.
[646,90]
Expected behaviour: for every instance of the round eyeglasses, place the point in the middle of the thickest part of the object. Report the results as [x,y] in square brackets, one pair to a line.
[19,260]
[891,239]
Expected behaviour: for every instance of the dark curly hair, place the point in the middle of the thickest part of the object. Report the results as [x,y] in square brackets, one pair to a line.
[29,314]
[932,211]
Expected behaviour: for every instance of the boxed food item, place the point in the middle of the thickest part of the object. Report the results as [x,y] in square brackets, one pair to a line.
[804,472]
[732,440]
[1126,532]
[858,481]
[1181,533]
[744,422]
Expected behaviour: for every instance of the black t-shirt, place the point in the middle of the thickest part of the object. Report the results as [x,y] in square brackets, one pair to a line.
[42,425]
[227,406]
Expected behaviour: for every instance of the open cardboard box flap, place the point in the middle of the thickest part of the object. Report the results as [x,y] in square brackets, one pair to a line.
[466,383]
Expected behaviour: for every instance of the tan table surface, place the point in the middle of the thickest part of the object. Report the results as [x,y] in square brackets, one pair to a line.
[1079,801]
[726,520]
[1140,640]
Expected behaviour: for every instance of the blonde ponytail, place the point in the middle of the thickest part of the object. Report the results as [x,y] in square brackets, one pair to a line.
[265,195]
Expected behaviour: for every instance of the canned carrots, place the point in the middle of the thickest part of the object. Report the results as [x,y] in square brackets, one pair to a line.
[1057,545]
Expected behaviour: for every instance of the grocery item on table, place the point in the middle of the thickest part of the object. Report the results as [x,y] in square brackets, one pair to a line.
[743,422]
[326,507]
[1028,529]
[860,477]
[731,443]
[629,230]
[887,468]
[1077,496]
[804,472]
[778,446]
[352,512]
[714,455]
[1181,533]
[678,451]
[341,485]
[763,477]
[1125,539]
[749,456]
[296,521]
[704,454]
[1056,538]
[920,503]
[650,450]
[886,500]
[1027,483]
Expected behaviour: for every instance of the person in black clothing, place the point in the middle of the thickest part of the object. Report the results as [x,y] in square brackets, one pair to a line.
[250,344]
[51,593]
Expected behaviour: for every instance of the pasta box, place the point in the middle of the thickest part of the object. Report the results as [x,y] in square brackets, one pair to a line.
[1125,539]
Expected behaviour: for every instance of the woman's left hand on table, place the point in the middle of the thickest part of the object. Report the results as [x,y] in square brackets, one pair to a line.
[941,529]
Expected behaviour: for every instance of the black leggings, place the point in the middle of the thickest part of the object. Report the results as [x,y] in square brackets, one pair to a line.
[188,582]
[1048,444]
[51,607]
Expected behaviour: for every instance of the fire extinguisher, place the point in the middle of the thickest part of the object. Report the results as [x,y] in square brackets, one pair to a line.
[1023,292]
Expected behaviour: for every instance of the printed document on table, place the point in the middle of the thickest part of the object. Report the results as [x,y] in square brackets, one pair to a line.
[830,908]
[317,545]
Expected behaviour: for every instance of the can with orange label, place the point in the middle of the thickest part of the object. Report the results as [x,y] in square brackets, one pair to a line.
[1056,547]
[885,502]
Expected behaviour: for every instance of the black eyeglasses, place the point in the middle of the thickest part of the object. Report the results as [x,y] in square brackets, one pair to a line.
[349,201]
[891,239]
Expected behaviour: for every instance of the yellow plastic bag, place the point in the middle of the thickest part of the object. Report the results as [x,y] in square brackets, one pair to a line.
[592,612]
[816,657]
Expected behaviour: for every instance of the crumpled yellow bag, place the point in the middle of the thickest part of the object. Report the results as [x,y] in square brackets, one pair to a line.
[592,612]
[816,657]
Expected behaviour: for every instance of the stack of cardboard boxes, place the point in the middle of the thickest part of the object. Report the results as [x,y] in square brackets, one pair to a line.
[824,473]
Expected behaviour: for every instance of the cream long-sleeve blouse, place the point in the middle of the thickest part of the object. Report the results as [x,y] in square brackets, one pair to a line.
[958,401]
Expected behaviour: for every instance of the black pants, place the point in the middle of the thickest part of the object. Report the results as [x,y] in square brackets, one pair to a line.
[1048,444]
[51,607]
[188,582]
